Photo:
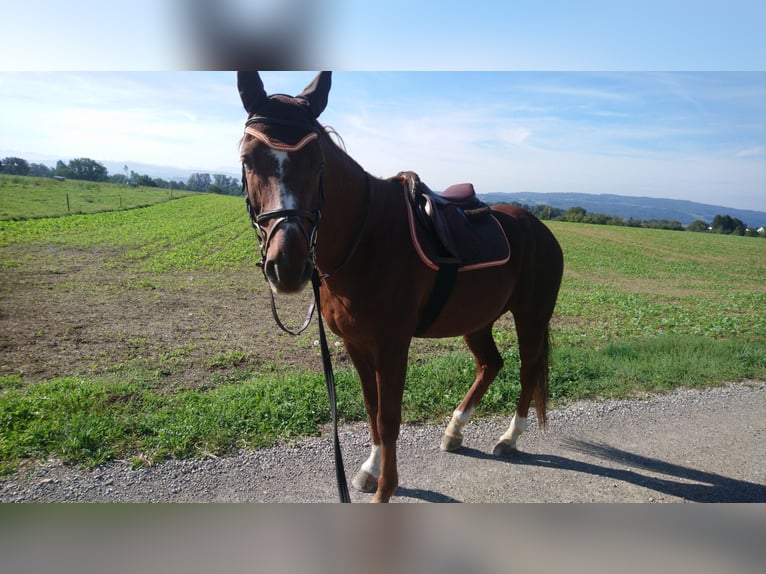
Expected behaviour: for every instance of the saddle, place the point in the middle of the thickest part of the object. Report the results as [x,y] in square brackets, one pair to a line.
[451,231]
[454,226]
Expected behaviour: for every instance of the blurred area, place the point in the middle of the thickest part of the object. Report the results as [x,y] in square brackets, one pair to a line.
[133,35]
[261,34]
[325,539]
[138,35]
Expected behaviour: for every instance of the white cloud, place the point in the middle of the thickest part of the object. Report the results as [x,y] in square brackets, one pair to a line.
[756,151]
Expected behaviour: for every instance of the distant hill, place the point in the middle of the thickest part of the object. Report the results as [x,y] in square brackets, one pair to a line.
[637,207]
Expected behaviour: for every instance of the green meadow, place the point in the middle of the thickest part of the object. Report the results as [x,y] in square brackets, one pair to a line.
[23,197]
[640,311]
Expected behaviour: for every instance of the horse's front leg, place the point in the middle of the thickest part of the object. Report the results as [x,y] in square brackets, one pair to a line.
[382,371]
[391,371]
[366,479]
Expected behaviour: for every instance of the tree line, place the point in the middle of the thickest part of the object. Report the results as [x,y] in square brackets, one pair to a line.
[724,224]
[90,170]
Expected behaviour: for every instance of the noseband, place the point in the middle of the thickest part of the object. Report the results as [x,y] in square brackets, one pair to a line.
[282,216]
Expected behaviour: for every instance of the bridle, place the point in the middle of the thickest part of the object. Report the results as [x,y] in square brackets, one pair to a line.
[283,216]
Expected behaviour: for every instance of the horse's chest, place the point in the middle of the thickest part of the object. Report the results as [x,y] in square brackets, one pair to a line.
[360,318]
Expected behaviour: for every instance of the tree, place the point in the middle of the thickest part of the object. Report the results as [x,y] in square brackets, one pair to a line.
[87,169]
[40,170]
[576,214]
[728,225]
[199,181]
[62,169]
[698,225]
[614,220]
[145,181]
[15,166]
[225,184]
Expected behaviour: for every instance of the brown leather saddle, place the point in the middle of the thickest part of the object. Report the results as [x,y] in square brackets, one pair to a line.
[455,226]
[451,231]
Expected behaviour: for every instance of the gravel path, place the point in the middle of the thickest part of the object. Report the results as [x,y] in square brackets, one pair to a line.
[690,445]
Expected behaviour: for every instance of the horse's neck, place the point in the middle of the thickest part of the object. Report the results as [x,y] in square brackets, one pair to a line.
[347,192]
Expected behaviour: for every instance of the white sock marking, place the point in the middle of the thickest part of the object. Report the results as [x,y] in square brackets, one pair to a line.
[517,428]
[457,422]
[372,465]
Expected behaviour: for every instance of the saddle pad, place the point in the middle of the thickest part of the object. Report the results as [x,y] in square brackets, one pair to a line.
[490,247]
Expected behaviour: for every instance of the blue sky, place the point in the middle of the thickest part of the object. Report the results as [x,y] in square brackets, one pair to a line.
[691,135]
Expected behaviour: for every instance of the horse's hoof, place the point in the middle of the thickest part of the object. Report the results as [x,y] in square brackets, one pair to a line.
[504,449]
[451,443]
[365,482]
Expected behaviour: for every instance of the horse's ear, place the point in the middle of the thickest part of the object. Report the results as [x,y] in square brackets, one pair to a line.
[251,90]
[316,93]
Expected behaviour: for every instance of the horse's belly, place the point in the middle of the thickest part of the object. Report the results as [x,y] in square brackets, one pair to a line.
[477,300]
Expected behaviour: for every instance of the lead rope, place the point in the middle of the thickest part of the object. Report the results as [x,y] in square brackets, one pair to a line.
[329,377]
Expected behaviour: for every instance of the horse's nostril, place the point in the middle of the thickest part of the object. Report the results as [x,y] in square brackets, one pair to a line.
[271,272]
[307,271]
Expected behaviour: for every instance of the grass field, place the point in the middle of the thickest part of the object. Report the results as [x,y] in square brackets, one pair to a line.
[106,317]
[24,197]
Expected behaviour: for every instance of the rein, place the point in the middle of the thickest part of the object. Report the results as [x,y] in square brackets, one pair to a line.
[285,215]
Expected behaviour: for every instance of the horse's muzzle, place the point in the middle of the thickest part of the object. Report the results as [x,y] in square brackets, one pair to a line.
[288,278]
[288,265]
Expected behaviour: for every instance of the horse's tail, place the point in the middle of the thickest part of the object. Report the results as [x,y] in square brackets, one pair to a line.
[541,390]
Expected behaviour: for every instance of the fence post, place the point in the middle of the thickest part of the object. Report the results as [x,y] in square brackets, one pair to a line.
[67,204]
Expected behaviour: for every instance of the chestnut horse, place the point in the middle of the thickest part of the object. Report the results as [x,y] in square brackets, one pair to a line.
[316,208]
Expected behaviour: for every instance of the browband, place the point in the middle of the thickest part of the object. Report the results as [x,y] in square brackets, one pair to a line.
[281,146]
[277,142]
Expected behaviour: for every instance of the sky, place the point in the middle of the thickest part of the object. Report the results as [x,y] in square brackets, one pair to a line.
[693,135]
[512,95]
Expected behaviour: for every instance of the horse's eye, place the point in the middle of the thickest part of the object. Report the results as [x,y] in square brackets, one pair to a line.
[247,163]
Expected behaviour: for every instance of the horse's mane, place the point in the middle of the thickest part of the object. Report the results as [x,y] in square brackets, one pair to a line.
[335,141]
[331,131]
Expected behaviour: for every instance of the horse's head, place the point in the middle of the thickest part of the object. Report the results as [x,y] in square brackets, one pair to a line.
[282,175]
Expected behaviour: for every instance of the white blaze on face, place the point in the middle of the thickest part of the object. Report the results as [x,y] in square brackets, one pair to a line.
[286,197]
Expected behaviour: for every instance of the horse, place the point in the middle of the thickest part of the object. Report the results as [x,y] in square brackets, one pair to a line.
[315,208]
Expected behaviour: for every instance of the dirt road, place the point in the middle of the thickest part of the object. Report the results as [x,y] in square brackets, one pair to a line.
[690,445]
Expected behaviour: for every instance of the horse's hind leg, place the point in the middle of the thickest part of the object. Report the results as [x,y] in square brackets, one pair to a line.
[488,364]
[533,338]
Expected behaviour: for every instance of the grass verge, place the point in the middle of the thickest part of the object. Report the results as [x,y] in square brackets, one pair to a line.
[89,422]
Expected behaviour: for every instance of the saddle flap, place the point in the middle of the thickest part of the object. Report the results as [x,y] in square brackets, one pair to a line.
[463,229]
[453,228]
